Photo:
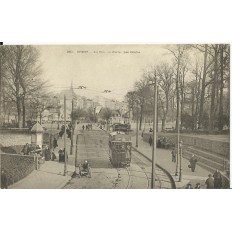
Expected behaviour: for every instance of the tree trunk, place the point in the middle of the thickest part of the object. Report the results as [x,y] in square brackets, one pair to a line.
[212,106]
[40,118]
[163,124]
[221,90]
[141,118]
[177,96]
[203,87]
[18,104]
[24,113]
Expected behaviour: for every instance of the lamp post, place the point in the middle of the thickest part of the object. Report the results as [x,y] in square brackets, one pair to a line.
[180,146]
[154,83]
[178,125]
[65,152]
[137,124]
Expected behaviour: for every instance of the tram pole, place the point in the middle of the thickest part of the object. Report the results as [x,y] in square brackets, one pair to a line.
[76,155]
[137,125]
[65,152]
[180,147]
[72,131]
[154,134]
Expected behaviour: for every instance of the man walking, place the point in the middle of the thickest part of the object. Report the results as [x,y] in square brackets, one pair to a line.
[150,140]
[193,162]
[217,179]
[210,182]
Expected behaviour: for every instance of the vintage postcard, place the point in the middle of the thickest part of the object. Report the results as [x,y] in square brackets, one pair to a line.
[115,116]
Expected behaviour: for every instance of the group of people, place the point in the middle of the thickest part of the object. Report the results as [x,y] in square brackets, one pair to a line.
[68,131]
[213,182]
[87,127]
[189,186]
[161,142]
[61,153]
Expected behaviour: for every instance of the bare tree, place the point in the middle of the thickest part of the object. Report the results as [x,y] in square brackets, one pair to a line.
[22,69]
[165,81]
[144,93]
[179,53]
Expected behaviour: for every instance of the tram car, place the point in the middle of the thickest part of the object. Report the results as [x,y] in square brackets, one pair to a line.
[120,127]
[120,149]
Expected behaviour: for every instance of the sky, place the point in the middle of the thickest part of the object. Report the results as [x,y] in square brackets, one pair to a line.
[98,67]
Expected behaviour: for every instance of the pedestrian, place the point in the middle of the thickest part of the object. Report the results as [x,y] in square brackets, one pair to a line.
[198,186]
[25,150]
[4,180]
[86,127]
[193,162]
[55,143]
[174,155]
[150,140]
[61,154]
[189,186]
[83,127]
[210,182]
[53,156]
[61,134]
[47,154]
[217,179]
[159,144]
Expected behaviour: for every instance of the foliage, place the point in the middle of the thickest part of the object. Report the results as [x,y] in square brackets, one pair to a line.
[106,113]
[78,113]
[187,121]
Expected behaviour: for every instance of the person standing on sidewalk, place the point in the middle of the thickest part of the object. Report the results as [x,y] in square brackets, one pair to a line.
[193,162]
[55,143]
[4,180]
[217,179]
[210,182]
[189,186]
[174,155]
[198,186]
[150,140]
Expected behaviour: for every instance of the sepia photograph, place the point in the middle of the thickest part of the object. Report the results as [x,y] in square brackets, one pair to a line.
[145,116]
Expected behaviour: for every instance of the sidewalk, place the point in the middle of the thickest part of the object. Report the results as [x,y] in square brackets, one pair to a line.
[164,159]
[49,176]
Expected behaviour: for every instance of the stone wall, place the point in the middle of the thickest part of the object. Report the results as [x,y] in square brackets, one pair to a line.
[218,147]
[17,166]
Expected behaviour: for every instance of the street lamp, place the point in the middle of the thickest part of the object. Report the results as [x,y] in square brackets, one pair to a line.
[154,83]
[180,147]
[137,123]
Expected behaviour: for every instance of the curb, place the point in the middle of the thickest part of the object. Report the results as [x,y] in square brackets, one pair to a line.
[169,175]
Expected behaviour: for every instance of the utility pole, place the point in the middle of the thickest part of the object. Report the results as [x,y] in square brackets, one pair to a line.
[137,125]
[178,122]
[180,146]
[154,134]
[76,156]
[72,132]
[65,152]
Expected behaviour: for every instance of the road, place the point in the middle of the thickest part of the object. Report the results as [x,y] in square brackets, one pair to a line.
[92,145]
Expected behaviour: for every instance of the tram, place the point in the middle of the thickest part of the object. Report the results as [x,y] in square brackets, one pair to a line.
[120,149]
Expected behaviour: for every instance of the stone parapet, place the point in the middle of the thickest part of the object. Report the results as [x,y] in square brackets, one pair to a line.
[17,166]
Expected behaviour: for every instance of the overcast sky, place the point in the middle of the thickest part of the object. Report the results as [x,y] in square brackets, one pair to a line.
[98,67]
